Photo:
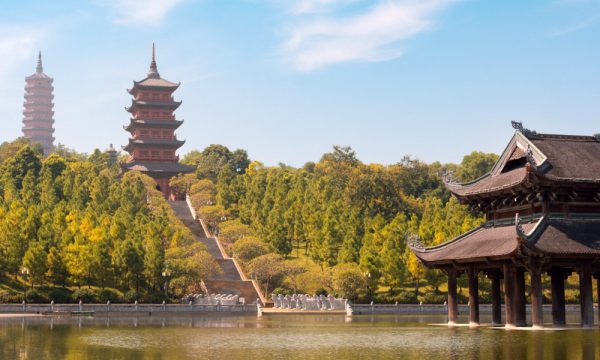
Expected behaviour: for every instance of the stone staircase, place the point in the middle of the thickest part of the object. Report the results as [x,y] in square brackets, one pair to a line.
[230,281]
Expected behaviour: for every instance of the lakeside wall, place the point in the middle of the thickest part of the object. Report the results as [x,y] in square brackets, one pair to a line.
[357,309]
[127,308]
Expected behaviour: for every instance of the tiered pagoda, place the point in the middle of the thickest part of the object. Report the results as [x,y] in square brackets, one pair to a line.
[153,143]
[38,115]
[542,205]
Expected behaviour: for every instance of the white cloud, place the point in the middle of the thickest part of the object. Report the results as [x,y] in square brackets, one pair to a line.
[17,45]
[144,12]
[374,34]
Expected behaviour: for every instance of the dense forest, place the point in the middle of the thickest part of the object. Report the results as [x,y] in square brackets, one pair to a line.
[337,225]
[72,227]
[69,221]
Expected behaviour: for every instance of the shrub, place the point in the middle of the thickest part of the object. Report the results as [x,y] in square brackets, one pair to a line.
[11,297]
[321,291]
[348,280]
[59,296]
[407,297]
[108,295]
[232,230]
[131,296]
[154,298]
[249,247]
[282,291]
[85,295]
[36,296]
[433,298]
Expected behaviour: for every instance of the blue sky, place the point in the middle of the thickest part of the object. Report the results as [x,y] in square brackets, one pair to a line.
[287,79]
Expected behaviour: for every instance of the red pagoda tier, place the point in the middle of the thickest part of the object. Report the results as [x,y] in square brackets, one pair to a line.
[38,115]
[542,206]
[153,143]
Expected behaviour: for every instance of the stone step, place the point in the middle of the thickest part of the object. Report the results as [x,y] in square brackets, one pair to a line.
[230,272]
[230,281]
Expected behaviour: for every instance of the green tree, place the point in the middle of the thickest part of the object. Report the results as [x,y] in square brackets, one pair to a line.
[57,269]
[35,261]
[348,280]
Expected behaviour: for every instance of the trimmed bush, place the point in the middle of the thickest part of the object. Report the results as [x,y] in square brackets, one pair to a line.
[433,298]
[407,297]
[154,298]
[36,296]
[248,248]
[59,296]
[282,291]
[11,297]
[85,295]
[131,296]
[108,295]
[321,291]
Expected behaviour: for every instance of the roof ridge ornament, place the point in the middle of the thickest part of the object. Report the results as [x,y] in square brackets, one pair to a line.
[153,71]
[39,69]
[530,134]
[414,241]
[448,177]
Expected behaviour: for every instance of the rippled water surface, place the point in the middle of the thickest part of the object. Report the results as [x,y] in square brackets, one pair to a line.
[281,337]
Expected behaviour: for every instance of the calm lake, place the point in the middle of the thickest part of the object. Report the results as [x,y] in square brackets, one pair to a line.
[282,337]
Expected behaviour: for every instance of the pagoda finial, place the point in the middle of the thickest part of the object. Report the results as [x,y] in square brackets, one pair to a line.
[153,72]
[39,69]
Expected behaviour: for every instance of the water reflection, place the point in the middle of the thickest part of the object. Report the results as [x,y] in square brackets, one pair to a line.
[287,337]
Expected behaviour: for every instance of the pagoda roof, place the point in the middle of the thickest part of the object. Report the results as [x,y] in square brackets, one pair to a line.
[158,167]
[173,105]
[153,142]
[154,83]
[557,237]
[531,158]
[39,76]
[153,123]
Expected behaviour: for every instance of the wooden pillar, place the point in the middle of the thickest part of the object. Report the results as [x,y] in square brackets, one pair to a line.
[586,296]
[452,298]
[537,310]
[473,296]
[519,297]
[509,312]
[598,296]
[558,297]
[496,302]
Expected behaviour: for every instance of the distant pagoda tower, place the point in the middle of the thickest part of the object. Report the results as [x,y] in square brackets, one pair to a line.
[112,155]
[153,143]
[38,115]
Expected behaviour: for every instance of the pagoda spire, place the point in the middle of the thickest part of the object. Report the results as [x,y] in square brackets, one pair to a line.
[39,69]
[153,72]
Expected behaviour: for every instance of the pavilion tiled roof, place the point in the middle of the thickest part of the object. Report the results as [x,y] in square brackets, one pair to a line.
[575,158]
[558,237]
[546,157]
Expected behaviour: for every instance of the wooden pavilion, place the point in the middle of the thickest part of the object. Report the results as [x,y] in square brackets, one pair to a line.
[542,206]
